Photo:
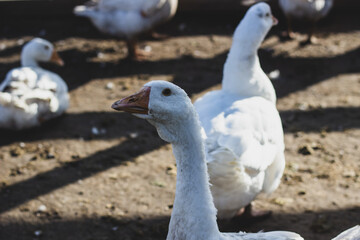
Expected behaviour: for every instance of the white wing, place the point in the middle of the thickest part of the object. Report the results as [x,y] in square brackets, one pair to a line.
[19,78]
[249,128]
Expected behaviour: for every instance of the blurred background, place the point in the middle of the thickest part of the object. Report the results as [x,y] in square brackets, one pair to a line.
[98,174]
[66,6]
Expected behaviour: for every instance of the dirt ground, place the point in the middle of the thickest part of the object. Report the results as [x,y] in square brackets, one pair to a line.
[65,180]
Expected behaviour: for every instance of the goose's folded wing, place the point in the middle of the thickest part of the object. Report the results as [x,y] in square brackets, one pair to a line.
[46,100]
[252,132]
[23,76]
[8,100]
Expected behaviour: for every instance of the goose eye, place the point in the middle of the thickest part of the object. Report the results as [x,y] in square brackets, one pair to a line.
[166,92]
[267,14]
[46,47]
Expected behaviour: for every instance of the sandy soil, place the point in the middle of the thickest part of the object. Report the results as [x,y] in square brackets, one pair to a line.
[62,181]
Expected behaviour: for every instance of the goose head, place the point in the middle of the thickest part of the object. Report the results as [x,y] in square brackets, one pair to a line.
[261,13]
[256,23]
[39,50]
[163,104]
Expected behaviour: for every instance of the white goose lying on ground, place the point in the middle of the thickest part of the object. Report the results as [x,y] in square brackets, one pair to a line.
[350,234]
[128,18]
[244,137]
[29,94]
[168,108]
[309,10]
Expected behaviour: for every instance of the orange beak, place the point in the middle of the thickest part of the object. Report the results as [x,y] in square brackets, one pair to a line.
[275,21]
[136,103]
[56,59]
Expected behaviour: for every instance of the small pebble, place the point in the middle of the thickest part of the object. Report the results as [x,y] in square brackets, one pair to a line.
[303,106]
[306,150]
[147,48]
[282,201]
[20,42]
[42,208]
[274,75]
[109,85]
[100,55]
[38,233]
[95,131]
[197,53]
[134,135]
[2,46]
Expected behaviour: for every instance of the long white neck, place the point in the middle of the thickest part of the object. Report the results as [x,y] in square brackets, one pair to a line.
[194,213]
[28,60]
[242,71]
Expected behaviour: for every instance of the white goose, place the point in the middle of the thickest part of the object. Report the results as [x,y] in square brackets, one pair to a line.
[168,108]
[128,18]
[310,10]
[243,130]
[29,94]
[350,234]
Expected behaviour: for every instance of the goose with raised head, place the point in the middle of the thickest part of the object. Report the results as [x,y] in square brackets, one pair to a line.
[242,127]
[308,10]
[168,108]
[128,19]
[349,234]
[30,95]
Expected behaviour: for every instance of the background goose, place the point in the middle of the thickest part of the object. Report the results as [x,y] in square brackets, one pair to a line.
[128,18]
[310,10]
[30,95]
[350,234]
[243,131]
[194,213]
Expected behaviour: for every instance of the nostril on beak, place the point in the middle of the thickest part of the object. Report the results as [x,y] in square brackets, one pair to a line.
[131,100]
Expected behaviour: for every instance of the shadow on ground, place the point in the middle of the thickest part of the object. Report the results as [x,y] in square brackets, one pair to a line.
[323,225]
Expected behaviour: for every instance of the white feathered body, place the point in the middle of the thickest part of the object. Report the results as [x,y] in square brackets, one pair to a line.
[32,96]
[244,146]
[124,18]
[306,9]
